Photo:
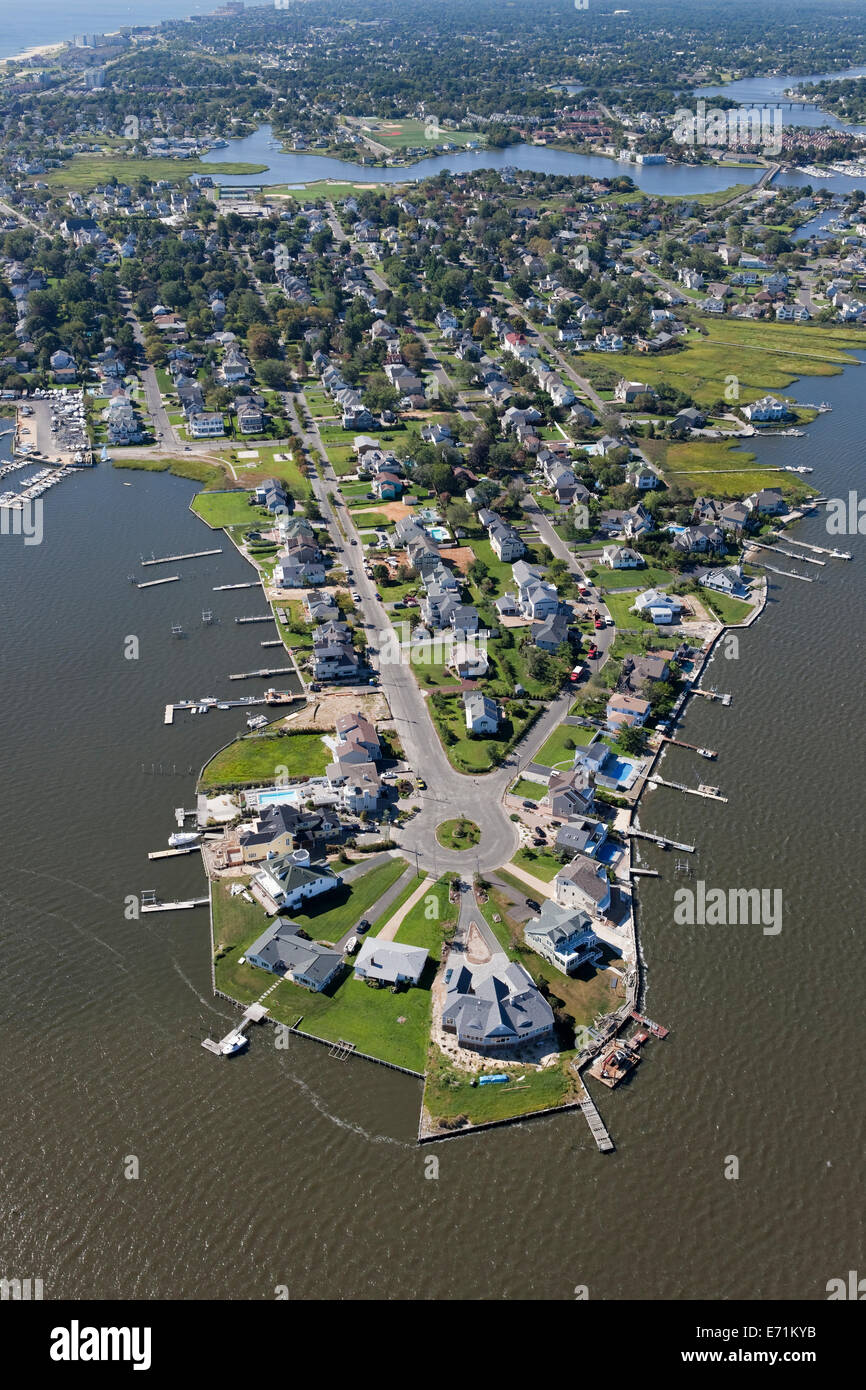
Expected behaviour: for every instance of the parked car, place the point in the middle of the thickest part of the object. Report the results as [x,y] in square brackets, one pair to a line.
[536,907]
[363,925]
[420,784]
[529,805]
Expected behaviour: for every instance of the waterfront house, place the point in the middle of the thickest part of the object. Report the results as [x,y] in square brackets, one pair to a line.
[626,711]
[390,962]
[492,1006]
[564,936]
[289,879]
[768,502]
[570,793]
[582,835]
[730,581]
[207,425]
[583,884]
[283,952]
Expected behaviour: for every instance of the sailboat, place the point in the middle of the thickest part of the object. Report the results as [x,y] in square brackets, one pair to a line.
[104,457]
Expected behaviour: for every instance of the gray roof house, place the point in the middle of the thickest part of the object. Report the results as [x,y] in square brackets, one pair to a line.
[564,936]
[583,884]
[392,962]
[280,950]
[581,836]
[495,1005]
[289,879]
[482,713]
[551,633]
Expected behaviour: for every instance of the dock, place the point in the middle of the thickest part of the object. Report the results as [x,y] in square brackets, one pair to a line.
[169,714]
[221,588]
[171,559]
[171,853]
[788,574]
[236,1039]
[657,1030]
[818,549]
[152,583]
[658,840]
[596,1124]
[789,554]
[276,642]
[266,671]
[712,694]
[679,743]
[644,873]
[259,618]
[150,904]
[711,793]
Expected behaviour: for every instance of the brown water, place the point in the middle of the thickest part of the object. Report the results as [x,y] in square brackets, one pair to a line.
[293,1168]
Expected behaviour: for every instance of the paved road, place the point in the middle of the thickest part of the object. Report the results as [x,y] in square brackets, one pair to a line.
[164,431]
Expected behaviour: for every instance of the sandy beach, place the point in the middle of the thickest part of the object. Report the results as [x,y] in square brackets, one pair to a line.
[41,51]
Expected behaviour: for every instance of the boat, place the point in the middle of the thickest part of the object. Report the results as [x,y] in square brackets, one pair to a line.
[183,839]
[233,1043]
[706,752]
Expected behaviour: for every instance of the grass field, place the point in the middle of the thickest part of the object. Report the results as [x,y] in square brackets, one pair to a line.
[718,468]
[555,750]
[647,578]
[86,171]
[260,759]
[448,1093]
[333,914]
[762,356]
[346,1009]
[431,921]
[730,610]
[221,509]
[196,469]
[541,863]
[405,134]
[458,834]
[530,791]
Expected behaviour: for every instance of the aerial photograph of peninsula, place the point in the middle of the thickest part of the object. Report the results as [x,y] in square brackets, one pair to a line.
[432,571]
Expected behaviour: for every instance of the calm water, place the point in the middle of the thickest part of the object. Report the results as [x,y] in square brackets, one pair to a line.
[767,91]
[102,1018]
[49,21]
[305,168]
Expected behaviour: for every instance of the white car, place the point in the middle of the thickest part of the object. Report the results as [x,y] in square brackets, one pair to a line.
[356,598]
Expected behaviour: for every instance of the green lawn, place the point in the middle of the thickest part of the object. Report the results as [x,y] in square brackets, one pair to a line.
[458,834]
[647,578]
[557,750]
[730,610]
[431,921]
[348,1008]
[220,509]
[259,759]
[530,791]
[449,1094]
[333,914]
[85,171]
[541,863]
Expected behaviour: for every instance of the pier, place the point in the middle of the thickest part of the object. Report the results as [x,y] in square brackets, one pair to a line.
[711,694]
[171,559]
[261,618]
[596,1124]
[150,903]
[711,793]
[657,1030]
[789,574]
[644,873]
[818,549]
[221,588]
[152,583]
[679,743]
[658,840]
[236,1039]
[266,671]
[789,554]
[277,642]
[172,853]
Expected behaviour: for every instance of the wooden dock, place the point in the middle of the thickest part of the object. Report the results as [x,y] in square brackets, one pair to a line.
[711,694]
[221,588]
[709,792]
[657,1029]
[679,743]
[266,671]
[169,714]
[789,554]
[788,574]
[172,853]
[171,559]
[259,618]
[152,583]
[151,905]
[236,1039]
[596,1124]
[644,873]
[818,549]
[658,840]
[274,642]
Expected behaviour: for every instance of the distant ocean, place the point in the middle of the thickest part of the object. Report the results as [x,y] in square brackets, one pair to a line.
[50,21]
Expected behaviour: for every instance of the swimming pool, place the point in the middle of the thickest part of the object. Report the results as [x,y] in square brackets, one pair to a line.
[280,796]
[438,533]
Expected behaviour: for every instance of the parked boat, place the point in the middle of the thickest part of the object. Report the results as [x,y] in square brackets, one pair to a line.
[181,839]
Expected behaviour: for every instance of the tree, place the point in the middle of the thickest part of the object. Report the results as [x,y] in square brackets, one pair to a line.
[262,342]
[632,740]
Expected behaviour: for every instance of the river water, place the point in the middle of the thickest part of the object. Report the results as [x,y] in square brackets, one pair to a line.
[293,1168]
